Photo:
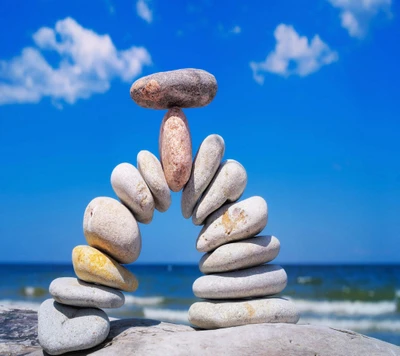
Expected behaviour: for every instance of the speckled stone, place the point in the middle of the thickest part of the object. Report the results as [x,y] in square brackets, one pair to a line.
[184,88]
[232,222]
[151,170]
[241,254]
[227,186]
[205,165]
[257,281]
[110,227]
[72,291]
[93,266]
[214,315]
[175,146]
[133,191]
[63,328]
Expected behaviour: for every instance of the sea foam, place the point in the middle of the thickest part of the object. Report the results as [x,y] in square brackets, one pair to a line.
[130,299]
[166,314]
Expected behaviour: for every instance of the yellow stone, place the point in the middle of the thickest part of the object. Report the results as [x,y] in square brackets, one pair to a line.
[94,266]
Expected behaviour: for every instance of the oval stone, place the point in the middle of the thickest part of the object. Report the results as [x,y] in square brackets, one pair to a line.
[72,291]
[133,191]
[205,165]
[63,328]
[184,88]
[239,255]
[251,282]
[110,227]
[151,170]
[227,186]
[175,149]
[232,222]
[213,315]
[93,266]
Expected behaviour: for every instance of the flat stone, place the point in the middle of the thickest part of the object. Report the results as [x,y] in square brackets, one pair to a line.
[151,170]
[184,88]
[63,328]
[175,146]
[110,227]
[232,222]
[227,185]
[93,266]
[205,165]
[133,191]
[224,314]
[72,291]
[241,254]
[257,281]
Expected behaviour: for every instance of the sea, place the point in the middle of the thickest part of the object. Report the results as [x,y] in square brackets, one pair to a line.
[362,298]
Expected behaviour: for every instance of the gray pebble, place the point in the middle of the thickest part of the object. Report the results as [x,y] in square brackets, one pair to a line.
[62,328]
[251,282]
[72,291]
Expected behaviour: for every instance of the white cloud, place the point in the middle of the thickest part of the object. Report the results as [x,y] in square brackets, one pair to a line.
[87,64]
[143,10]
[236,30]
[293,55]
[356,15]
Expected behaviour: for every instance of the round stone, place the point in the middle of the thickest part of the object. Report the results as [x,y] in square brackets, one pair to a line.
[232,222]
[251,282]
[151,170]
[63,328]
[110,227]
[205,165]
[175,149]
[93,266]
[184,88]
[213,315]
[241,254]
[227,186]
[72,291]
[133,191]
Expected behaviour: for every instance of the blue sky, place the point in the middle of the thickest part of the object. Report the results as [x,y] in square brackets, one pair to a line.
[308,102]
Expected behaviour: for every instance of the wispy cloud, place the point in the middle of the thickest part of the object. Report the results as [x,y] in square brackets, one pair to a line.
[356,15]
[144,11]
[87,64]
[236,30]
[293,55]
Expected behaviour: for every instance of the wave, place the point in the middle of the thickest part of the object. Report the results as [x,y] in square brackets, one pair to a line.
[18,304]
[130,299]
[166,314]
[309,280]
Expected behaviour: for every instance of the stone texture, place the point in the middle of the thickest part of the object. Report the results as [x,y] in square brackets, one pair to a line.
[227,185]
[93,266]
[63,328]
[110,227]
[151,170]
[175,146]
[257,281]
[223,314]
[72,291]
[242,254]
[184,88]
[133,191]
[232,222]
[205,165]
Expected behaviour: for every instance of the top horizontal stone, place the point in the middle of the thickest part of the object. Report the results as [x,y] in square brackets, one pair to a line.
[184,88]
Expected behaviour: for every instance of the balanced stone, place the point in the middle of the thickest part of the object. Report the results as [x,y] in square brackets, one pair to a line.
[133,191]
[93,266]
[184,88]
[151,170]
[251,282]
[231,222]
[225,314]
[205,165]
[110,227]
[62,328]
[241,254]
[227,185]
[175,147]
[72,291]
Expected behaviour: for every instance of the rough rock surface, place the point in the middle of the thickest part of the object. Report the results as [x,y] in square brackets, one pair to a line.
[18,336]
